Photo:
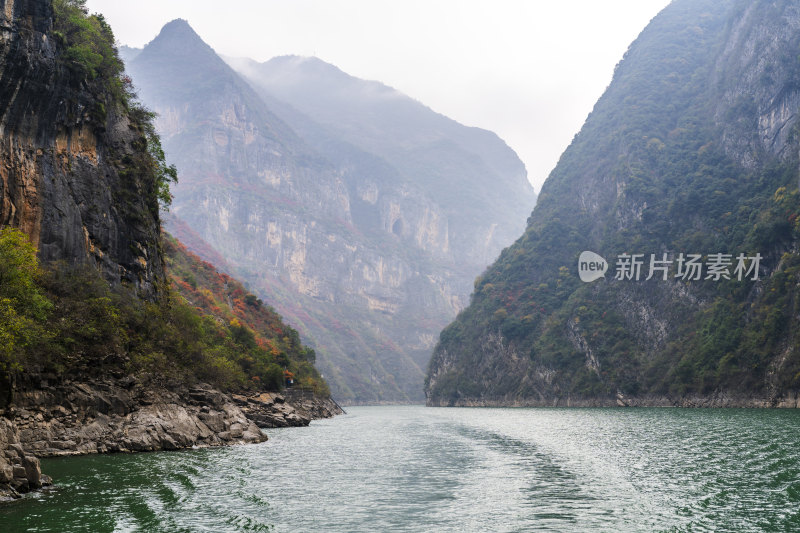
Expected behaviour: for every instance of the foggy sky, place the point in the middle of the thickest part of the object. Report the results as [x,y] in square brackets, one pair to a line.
[526,69]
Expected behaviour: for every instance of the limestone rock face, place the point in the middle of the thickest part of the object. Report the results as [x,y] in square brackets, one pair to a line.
[62,176]
[367,244]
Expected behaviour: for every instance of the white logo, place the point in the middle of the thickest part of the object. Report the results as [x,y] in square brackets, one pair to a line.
[591,266]
[687,267]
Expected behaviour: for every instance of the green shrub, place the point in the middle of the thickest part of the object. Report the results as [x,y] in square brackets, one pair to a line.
[87,40]
[23,306]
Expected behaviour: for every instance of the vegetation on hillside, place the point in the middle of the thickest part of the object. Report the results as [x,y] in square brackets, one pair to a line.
[267,346]
[70,323]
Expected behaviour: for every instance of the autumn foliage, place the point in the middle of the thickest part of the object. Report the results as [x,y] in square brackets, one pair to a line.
[267,346]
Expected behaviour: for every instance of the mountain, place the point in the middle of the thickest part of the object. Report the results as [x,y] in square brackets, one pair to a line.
[367,249]
[468,171]
[693,149]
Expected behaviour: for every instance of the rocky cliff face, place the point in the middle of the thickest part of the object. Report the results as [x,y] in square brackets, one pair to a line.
[691,150]
[63,147]
[366,262]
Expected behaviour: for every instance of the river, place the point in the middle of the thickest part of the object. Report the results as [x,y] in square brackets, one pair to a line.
[412,468]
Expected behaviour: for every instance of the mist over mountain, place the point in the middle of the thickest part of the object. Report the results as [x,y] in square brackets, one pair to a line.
[693,149]
[367,241]
[467,170]
[128,53]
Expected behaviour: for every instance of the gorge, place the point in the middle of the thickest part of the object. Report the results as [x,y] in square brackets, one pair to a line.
[360,214]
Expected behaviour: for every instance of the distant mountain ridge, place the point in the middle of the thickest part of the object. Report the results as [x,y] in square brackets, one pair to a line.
[434,153]
[367,249]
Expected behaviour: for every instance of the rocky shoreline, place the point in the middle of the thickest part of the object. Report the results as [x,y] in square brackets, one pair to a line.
[126,415]
[719,400]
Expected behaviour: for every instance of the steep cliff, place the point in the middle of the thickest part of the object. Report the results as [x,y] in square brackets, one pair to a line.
[97,352]
[70,149]
[693,149]
[367,259]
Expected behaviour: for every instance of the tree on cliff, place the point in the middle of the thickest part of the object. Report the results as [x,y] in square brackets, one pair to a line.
[23,306]
[88,39]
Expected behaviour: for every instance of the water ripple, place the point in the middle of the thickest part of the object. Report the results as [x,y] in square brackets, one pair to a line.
[410,469]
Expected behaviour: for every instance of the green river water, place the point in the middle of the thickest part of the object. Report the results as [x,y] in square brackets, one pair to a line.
[414,468]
